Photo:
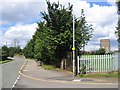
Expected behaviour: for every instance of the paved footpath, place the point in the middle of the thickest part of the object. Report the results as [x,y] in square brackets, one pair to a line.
[31,69]
[34,76]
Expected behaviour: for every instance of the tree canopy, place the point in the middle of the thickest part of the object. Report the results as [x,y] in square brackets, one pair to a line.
[53,38]
[29,49]
[118,27]
[9,51]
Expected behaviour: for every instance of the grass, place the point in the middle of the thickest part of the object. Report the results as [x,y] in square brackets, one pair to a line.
[5,61]
[100,75]
[48,67]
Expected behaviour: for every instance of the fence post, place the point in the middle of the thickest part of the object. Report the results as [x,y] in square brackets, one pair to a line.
[106,64]
[86,64]
[89,63]
[98,63]
[93,63]
[113,58]
[78,64]
[103,59]
[116,58]
[101,63]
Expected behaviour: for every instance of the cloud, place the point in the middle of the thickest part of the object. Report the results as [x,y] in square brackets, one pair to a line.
[20,14]
[103,18]
[112,2]
[1,38]
[21,33]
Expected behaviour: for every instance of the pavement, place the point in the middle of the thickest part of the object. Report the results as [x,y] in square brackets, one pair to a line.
[33,71]
[28,83]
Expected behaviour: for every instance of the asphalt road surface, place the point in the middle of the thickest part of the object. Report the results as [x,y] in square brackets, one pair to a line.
[10,71]
[30,69]
[25,82]
[0,77]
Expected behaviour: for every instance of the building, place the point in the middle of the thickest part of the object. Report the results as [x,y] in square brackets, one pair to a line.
[105,43]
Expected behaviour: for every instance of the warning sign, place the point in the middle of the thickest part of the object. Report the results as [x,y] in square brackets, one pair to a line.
[73,48]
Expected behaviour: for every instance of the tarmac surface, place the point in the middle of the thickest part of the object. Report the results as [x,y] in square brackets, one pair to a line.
[34,76]
[33,70]
[10,71]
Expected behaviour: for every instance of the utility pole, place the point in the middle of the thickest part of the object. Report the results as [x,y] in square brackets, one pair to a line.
[73,47]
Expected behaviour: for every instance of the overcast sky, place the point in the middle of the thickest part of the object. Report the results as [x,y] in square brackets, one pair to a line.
[18,20]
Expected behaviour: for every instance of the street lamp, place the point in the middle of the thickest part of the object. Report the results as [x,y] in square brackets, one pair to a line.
[73,47]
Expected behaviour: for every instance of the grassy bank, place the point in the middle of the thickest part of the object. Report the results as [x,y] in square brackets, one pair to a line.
[5,61]
[115,75]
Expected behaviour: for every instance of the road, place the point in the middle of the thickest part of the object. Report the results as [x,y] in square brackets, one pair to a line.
[0,77]
[25,82]
[10,71]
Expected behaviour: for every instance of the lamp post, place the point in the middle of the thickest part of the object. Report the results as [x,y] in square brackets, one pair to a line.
[73,47]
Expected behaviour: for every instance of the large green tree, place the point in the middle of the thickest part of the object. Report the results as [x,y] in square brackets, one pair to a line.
[29,49]
[14,50]
[53,38]
[44,46]
[118,27]
[5,52]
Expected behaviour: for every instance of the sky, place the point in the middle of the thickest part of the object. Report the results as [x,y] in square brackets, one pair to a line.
[18,20]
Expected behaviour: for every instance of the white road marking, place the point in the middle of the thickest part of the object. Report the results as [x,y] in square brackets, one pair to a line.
[25,70]
[16,81]
[18,77]
[77,80]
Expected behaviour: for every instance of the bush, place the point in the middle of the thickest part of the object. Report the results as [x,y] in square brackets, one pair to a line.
[48,67]
[83,69]
[5,52]
[101,51]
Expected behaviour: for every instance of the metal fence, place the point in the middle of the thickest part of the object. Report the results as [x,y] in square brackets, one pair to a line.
[97,63]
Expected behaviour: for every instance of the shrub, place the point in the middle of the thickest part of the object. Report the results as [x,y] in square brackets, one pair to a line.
[48,67]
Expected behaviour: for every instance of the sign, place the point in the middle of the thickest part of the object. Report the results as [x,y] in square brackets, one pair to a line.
[73,48]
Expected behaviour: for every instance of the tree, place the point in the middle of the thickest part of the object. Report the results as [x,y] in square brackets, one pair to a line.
[118,27]
[9,51]
[54,36]
[101,51]
[5,52]
[83,32]
[14,50]
[29,49]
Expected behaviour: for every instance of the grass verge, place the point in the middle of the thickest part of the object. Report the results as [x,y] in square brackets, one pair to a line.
[48,67]
[5,61]
[115,75]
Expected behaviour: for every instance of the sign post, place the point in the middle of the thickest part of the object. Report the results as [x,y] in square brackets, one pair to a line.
[73,47]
